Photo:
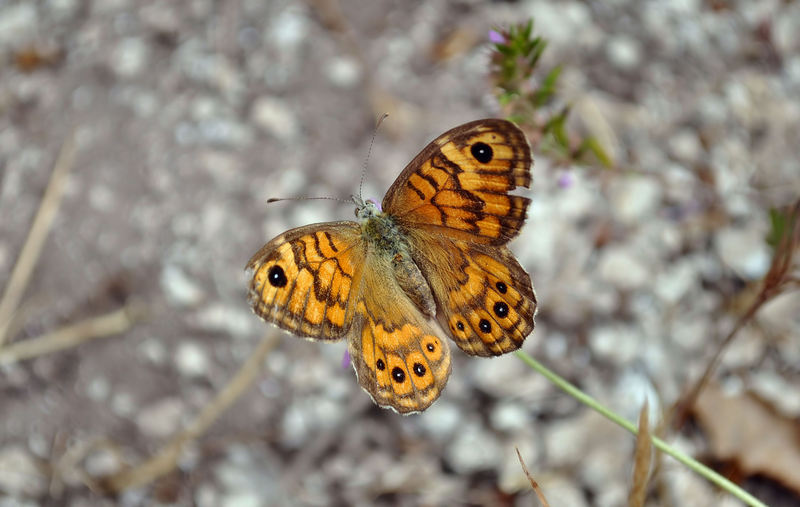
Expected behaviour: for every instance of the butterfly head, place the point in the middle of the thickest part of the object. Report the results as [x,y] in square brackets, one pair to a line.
[366,209]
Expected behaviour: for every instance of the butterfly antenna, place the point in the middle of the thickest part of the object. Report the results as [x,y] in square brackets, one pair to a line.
[304,198]
[369,151]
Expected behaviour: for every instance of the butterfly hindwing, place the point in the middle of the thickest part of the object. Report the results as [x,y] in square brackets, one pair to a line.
[484,297]
[396,350]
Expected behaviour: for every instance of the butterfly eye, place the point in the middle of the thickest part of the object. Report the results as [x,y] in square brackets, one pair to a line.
[482,152]
[277,277]
[501,309]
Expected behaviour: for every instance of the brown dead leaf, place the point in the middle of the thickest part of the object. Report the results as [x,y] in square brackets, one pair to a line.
[743,429]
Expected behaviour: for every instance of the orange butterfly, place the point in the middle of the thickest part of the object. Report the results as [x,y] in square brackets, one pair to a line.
[433,255]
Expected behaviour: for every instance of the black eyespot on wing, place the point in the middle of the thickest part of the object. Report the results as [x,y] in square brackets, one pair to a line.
[502,288]
[482,152]
[398,374]
[380,364]
[277,277]
[501,309]
[419,369]
[430,347]
[460,325]
[485,326]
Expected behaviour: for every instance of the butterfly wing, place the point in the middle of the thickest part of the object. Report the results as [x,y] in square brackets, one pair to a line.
[397,355]
[484,297]
[307,279]
[453,202]
[459,184]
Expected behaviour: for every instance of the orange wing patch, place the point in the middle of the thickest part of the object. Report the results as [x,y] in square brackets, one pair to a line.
[306,279]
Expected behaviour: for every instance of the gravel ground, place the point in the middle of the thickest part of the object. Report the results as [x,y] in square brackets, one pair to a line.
[188,115]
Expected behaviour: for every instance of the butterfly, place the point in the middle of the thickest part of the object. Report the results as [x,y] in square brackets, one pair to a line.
[431,261]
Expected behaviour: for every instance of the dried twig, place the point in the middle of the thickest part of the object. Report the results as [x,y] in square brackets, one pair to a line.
[643,457]
[69,336]
[36,236]
[534,484]
[779,278]
[166,459]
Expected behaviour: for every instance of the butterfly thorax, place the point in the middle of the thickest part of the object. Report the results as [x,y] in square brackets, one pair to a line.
[389,244]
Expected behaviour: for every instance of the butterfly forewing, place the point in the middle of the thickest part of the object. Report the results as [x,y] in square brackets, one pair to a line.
[459,184]
[306,280]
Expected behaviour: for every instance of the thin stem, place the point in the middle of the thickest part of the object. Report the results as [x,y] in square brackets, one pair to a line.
[687,460]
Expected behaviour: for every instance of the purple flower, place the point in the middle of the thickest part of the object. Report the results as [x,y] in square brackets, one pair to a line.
[565,180]
[346,360]
[496,37]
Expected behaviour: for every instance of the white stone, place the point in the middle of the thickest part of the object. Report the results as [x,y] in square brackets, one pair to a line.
[566,490]
[786,31]
[17,23]
[559,23]
[275,118]
[473,449]
[343,71]
[691,332]
[618,266]
[744,251]
[685,145]
[441,420]
[509,416]
[634,198]
[179,288]
[162,418]
[153,350]
[123,404]
[191,359]
[774,388]
[99,389]
[512,478]
[20,473]
[624,52]
[672,284]
[236,320]
[289,28]
[102,463]
[129,57]
[616,343]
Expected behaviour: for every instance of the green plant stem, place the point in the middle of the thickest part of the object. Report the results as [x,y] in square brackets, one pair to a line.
[587,400]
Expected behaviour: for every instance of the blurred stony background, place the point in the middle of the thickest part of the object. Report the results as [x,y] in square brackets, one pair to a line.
[188,115]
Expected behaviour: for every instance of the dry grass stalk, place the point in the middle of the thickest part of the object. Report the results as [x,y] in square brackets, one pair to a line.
[534,484]
[37,235]
[642,459]
[166,459]
[72,335]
